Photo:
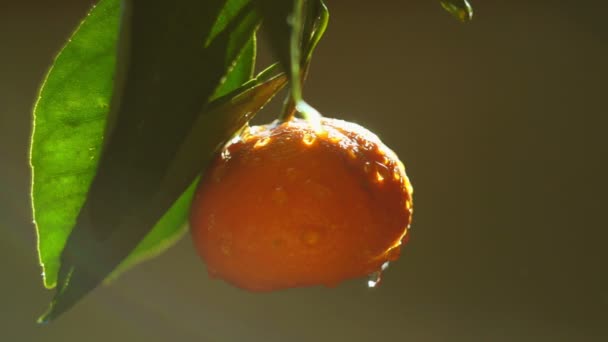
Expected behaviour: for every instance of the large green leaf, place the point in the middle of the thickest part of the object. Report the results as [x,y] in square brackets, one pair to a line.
[89,59]
[70,117]
[165,76]
[173,224]
[69,121]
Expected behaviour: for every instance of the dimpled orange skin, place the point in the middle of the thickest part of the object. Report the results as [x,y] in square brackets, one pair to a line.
[289,206]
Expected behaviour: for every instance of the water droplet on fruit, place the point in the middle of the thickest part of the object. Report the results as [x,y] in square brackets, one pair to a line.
[226,250]
[385,159]
[408,186]
[262,142]
[310,237]
[279,195]
[396,174]
[308,139]
[379,177]
[367,167]
[226,246]
[408,205]
[210,222]
[278,242]
[382,172]
[334,137]
[291,173]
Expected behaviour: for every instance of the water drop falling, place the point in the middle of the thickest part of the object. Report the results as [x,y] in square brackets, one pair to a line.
[460,9]
[385,265]
[375,278]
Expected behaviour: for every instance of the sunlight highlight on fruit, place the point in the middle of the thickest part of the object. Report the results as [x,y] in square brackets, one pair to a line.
[288,205]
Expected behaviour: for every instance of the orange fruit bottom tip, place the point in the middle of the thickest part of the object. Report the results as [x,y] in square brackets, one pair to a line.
[285,205]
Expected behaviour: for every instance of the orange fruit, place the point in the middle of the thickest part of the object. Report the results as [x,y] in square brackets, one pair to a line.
[285,205]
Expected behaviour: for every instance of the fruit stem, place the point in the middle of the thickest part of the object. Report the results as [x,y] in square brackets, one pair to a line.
[289,109]
[289,105]
[295,102]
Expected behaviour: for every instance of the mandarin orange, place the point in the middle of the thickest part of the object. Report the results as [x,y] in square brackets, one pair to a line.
[285,205]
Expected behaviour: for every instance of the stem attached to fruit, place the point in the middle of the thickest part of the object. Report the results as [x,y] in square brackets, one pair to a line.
[295,102]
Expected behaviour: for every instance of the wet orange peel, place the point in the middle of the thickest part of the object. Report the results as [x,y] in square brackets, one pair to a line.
[285,205]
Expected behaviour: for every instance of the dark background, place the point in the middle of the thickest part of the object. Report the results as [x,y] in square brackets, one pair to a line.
[502,126]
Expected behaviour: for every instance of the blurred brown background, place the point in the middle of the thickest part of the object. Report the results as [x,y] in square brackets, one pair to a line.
[502,125]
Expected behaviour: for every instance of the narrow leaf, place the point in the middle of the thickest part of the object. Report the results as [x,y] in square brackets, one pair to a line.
[278,24]
[285,23]
[317,18]
[241,71]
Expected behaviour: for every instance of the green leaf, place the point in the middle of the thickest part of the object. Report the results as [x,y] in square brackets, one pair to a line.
[317,18]
[69,121]
[460,9]
[294,28]
[70,117]
[277,25]
[173,225]
[228,115]
[241,71]
[165,76]
[167,231]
